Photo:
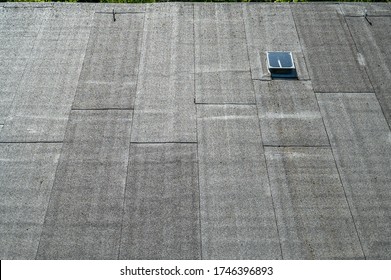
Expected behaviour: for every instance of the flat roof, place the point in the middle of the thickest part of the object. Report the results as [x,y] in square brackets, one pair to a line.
[161,135]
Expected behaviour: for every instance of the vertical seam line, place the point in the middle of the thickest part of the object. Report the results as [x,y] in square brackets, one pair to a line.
[130,138]
[328,137]
[61,153]
[198,158]
[264,154]
[366,72]
[340,179]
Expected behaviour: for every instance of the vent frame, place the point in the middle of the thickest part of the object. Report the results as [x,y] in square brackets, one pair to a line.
[281,65]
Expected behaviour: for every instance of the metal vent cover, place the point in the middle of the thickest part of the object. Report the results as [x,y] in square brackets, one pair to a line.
[281,65]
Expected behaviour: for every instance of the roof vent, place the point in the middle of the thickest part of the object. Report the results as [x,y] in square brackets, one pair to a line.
[281,65]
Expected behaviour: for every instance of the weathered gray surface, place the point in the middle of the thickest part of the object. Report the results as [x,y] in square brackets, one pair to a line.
[372,9]
[177,100]
[161,219]
[373,42]
[289,114]
[109,75]
[329,50]
[313,215]
[361,142]
[18,27]
[26,175]
[271,28]
[40,109]
[84,217]
[221,59]
[165,109]
[237,217]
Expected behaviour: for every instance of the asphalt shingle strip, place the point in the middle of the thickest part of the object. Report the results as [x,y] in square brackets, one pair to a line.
[289,114]
[84,217]
[312,212]
[27,175]
[271,28]
[237,216]
[329,50]
[109,75]
[161,218]
[373,42]
[18,30]
[41,106]
[221,59]
[361,142]
[164,108]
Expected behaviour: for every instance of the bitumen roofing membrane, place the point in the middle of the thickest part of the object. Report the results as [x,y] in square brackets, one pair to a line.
[161,134]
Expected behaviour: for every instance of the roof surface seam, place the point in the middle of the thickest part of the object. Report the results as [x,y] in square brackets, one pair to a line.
[296,146]
[279,79]
[28,61]
[301,47]
[271,193]
[169,142]
[357,51]
[58,163]
[354,16]
[263,151]
[119,13]
[130,143]
[31,142]
[347,92]
[50,198]
[99,109]
[223,103]
[327,134]
[366,72]
[27,7]
[198,158]
[340,179]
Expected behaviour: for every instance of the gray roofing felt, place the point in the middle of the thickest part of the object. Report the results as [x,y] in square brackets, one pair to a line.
[161,135]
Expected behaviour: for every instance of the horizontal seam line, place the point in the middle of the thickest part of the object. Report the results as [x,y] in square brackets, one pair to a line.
[298,146]
[343,92]
[117,13]
[28,7]
[100,109]
[163,142]
[280,79]
[31,142]
[225,103]
[368,16]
